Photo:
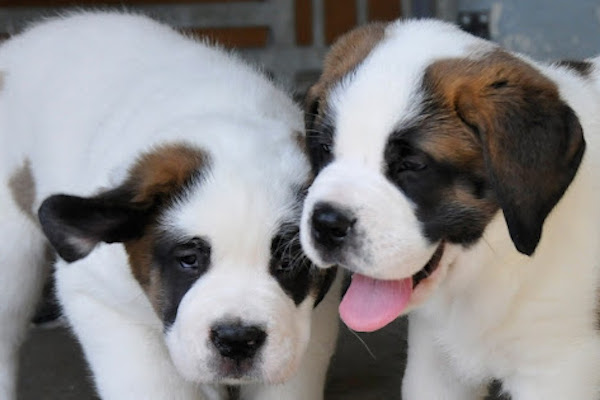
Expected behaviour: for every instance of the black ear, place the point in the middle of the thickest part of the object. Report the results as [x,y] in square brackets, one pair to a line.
[532,144]
[75,225]
[545,154]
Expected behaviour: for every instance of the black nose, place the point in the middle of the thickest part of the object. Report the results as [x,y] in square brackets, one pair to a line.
[330,225]
[237,341]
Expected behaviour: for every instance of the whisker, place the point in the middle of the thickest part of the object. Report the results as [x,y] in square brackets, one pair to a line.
[488,244]
[364,344]
[297,258]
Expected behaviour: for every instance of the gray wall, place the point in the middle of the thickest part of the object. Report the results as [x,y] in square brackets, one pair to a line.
[544,29]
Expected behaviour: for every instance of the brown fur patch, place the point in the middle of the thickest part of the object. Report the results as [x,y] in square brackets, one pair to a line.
[476,89]
[464,197]
[484,94]
[530,141]
[300,140]
[164,170]
[22,188]
[140,258]
[156,177]
[140,261]
[343,57]
[449,142]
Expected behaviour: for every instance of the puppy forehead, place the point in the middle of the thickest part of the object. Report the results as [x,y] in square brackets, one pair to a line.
[238,209]
[384,93]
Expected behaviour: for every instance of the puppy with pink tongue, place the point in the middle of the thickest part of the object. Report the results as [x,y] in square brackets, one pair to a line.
[458,183]
[370,304]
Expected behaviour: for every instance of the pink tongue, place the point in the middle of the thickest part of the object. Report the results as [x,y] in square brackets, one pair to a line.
[370,304]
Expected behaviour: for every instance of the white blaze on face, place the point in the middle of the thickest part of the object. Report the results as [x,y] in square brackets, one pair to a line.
[237,208]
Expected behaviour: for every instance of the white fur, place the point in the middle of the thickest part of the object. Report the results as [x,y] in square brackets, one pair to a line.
[82,97]
[21,277]
[489,311]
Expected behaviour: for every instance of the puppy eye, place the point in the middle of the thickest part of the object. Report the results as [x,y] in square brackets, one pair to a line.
[412,165]
[326,147]
[411,159]
[188,262]
[193,255]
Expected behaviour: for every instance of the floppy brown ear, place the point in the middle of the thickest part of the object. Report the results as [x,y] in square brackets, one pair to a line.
[75,225]
[532,141]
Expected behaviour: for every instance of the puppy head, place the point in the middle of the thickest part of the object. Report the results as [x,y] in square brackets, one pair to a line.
[212,237]
[426,137]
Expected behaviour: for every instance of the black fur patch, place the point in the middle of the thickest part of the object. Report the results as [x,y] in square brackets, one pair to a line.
[431,186]
[294,272]
[288,264]
[176,275]
[319,139]
[583,68]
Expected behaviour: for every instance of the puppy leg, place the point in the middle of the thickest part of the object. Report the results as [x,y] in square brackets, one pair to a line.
[22,274]
[309,381]
[575,378]
[121,336]
[429,375]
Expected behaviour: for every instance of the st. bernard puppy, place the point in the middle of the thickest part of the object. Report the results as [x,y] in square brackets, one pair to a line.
[455,182]
[173,177]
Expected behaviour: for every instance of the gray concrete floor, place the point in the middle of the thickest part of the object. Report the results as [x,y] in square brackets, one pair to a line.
[52,367]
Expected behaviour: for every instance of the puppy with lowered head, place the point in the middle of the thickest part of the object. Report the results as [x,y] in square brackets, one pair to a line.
[460,182]
[172,175]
